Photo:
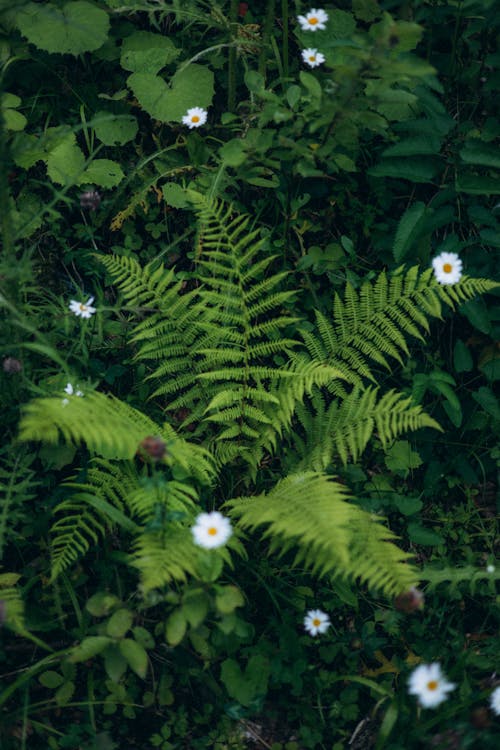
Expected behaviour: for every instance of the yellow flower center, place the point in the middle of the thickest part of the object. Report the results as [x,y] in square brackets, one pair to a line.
[313,21]
[447,267]
[432,685]
[83,307]
[312,58]
[316,622]
[212,531]
[195,118]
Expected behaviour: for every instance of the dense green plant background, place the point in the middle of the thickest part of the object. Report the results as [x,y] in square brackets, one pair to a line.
[269,341]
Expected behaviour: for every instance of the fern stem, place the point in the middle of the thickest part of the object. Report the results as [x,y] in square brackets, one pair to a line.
[266,35]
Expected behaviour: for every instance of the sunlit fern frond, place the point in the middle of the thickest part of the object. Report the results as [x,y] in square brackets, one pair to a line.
[162,557]
[311,513]
[370,326]
[106,425]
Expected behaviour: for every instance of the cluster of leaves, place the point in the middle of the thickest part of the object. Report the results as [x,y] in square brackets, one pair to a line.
[260,361]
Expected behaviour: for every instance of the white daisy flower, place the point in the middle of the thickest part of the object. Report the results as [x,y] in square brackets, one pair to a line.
[211,530]
[195,117]
[495,701]
[316,622]
[429,684]
[314,20]
[71,392]
[312,57]
[82,310]
[447,268]
[490,568]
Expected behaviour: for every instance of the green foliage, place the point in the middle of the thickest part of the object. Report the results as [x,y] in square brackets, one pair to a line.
[267,354]
[333,536]
[74,28]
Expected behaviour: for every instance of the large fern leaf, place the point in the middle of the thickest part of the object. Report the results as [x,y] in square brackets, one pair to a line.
[311,513]
[371,326]
[345,426]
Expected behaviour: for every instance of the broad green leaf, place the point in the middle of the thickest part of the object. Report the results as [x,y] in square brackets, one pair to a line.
[195,605]
[254,81]
[115,663]
[415,170]
[146,52]
[228,598]
[103,172]
[119,622]
[311,83]
[477,185]
[476,312]
[13,120]
[478,152]
[135,655]
[114,130]
[248,685]
[407,505]
[233,152]
[462,358]
[401,457]
[406,231]
[101,603]
[76,27]
[420,535]
[66,162]
[175,628]
[51,679]
[143,637]
[190,87]
[175,195]
[487,399]
[419,145]
[89,647]
[64,693]
[11,101]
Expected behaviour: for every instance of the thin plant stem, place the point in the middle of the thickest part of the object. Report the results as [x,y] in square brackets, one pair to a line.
[284,46]
[266,35]
[231,61]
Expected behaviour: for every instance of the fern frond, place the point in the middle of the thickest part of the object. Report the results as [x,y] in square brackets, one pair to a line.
[17,486]
[371,325]
[467,574]
[164,557]
[12,603]
[77,527]
[345,426]
[103,423]
[311,513]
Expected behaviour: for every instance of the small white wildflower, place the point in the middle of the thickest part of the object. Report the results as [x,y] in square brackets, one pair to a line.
[195,117]
[495,701]
[447,268]
[312,57]
[429,684]
[490,568]
[314,20]
[211,530]
[82,310]
[316,622]
[71,392]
